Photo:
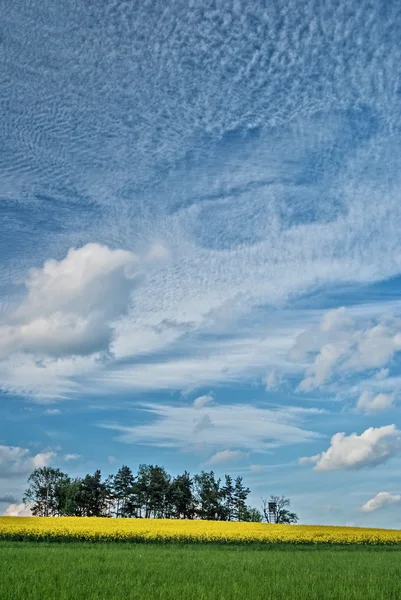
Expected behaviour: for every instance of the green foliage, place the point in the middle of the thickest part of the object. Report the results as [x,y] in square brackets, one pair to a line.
[45,491]
[150,493]
[180,498]
[208,496]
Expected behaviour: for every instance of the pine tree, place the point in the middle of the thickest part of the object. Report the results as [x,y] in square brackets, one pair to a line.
[240,494]
[208,496]
[180,500]
[93,495]
[122,488]
[228,498]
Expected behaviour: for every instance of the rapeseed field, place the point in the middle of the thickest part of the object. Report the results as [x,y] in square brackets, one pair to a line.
[191,531]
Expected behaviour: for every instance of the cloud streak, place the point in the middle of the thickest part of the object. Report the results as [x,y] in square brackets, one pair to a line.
[253,429]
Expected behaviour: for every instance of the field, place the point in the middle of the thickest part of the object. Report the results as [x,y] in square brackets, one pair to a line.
[56,558]
[67,571]
[168,530]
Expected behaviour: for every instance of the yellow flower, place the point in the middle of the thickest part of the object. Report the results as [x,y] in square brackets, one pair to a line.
[166,530]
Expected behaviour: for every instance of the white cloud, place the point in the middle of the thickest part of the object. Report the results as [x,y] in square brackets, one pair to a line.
[322,368]
[382,374]
[341,345]
[256,468]
[52,411]
[373,447]
[17,510]
[70,304]
[15,461]
[251,427]
[225,456]
[381,500]
[374,403]
[272,380]
[201,401]
[68,457]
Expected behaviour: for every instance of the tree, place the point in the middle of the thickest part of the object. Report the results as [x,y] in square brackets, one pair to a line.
[42,494]
[240,496]
[67,492]
[252,515]
[180,499]
[121,488]
[280,514]
[208,497]
[227,493]
[159,484]
[93,496]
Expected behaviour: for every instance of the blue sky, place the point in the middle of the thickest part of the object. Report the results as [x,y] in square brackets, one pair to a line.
[199,239]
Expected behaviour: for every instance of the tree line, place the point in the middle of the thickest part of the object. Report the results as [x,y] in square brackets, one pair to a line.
[149,493]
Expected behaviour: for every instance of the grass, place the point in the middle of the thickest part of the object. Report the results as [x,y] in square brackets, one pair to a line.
[47,571]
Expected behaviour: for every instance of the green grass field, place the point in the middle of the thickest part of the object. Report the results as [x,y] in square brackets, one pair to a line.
[43,571]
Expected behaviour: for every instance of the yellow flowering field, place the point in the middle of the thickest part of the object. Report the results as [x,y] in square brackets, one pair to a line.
[168,530]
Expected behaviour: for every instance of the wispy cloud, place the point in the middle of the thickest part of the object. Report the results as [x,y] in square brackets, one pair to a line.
[339,345]
[252,428]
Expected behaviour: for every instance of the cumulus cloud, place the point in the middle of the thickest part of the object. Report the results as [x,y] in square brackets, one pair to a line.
[201,401]
[373,447]
[16,461]
[381,500]
[70,304]
[340,345]
[225,456]
[17,510]
[68,457]
[374,403]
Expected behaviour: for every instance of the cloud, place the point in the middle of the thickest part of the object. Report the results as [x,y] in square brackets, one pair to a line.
[381,500]
[68,457]
[271,380]
[252,428]
[17,510]
[373,447]
[70,305]
[339,345]
[256,468]
[201,401]
[225,456]
[374,403]
[16,461]
[382,374]
[7,499]
[205,422]
[52,411]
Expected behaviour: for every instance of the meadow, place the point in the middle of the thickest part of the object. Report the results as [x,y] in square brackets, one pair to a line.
[65,558]
[104,571]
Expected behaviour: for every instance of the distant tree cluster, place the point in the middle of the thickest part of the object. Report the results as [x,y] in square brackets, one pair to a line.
[149,493]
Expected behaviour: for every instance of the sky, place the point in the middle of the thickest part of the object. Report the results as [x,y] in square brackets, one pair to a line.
[200,259]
